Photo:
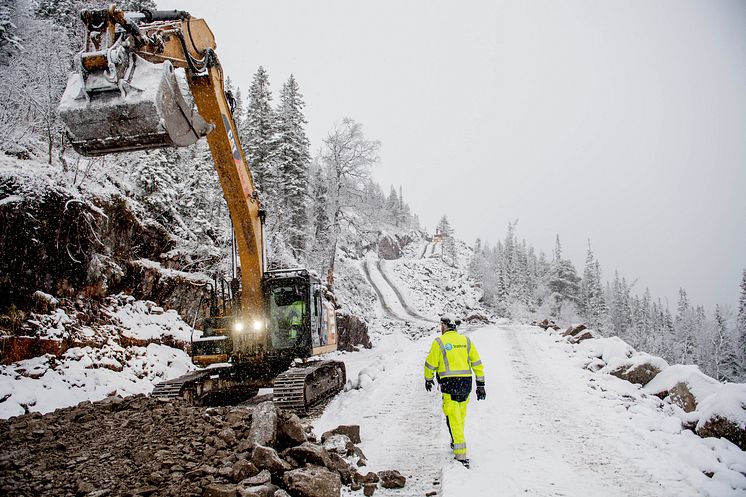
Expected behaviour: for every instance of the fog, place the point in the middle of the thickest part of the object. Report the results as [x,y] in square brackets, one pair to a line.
[622,122]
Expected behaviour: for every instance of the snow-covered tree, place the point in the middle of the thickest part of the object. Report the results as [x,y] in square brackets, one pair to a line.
[293,162]
[448,243]
[563,283]
[592,304]
[258,136]
[727,366]
[348,157]
[741,327]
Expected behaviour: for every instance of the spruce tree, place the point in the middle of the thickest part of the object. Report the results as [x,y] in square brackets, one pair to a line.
[258,137]
[741,328]
[727,364]
[448,254]
[293,162]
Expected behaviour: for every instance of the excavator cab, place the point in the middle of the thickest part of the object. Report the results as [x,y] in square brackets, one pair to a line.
[117,101]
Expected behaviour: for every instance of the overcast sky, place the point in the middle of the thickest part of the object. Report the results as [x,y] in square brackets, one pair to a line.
[619,121]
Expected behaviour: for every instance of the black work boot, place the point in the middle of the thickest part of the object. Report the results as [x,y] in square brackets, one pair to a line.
[465,462]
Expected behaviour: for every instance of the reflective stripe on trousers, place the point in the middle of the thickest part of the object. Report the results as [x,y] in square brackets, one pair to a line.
[456,417]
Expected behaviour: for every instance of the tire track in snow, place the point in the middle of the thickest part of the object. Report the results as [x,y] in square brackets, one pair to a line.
[384,305]
[412,313]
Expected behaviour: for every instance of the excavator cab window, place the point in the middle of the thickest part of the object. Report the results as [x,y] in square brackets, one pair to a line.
[287,311]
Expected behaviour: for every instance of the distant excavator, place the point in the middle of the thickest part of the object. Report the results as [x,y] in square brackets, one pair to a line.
[151,79]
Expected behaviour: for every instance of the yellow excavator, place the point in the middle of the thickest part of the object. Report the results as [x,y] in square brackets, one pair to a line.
[151,79]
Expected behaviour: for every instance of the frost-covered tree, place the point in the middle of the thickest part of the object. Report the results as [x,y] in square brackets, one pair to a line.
[258,136]
[563,282]
[741,327]
[30,89]
[293,161]
[448,244]
[685,329]
[592,304]
[348,157]
[726,362]
[10,42]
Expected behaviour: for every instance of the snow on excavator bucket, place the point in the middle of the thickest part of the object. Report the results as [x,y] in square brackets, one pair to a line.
[144,109]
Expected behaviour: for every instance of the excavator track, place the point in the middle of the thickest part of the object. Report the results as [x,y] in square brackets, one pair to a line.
[300,388]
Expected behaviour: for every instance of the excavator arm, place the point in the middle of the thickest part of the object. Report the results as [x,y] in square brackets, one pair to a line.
[128,94]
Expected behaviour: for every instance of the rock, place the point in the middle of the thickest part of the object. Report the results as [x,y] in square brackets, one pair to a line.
[267,458]
[263,429]
[640,368]
[392,479]
[341,466]
[722,414]
[369,489]
[351,331]
[263,477]
[313,481]
[145,491]
[243,469]
[219,490]
[583,335]
[682,397]
[370,477]
[308,453]
[337,443]
[351,431]
[290,431]
[362,460]
[281,493]
[228,436]
[574,330]
[723,428]
[257,491]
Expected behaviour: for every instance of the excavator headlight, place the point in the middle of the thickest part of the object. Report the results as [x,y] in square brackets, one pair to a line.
[258,325]
[238,326]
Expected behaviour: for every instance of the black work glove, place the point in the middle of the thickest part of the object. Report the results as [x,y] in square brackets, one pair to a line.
[428,385]
[481,394]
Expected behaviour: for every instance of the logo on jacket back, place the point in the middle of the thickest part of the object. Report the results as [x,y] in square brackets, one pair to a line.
[449,346]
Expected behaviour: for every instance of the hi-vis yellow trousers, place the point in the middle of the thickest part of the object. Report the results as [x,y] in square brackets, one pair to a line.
[456,418]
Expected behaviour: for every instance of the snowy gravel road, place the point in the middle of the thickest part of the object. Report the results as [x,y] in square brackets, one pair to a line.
[543,430]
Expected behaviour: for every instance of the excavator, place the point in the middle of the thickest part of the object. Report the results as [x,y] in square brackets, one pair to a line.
[152,79]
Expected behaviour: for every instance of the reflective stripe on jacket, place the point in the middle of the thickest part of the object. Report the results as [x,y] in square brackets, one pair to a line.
[453,355]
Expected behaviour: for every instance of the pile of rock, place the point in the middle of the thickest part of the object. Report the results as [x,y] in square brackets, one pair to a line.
[143,446]
[713,409]
[546,324]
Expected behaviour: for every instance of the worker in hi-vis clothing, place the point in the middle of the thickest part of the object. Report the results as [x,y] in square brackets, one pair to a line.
[452,358]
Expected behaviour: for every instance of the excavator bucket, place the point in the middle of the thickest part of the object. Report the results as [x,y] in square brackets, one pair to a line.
[142,109]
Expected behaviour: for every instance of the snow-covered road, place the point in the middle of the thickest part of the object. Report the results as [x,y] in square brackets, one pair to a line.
[544,429]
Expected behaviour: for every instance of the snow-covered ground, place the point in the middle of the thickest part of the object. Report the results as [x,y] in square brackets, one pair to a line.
[103,368]
[548,426]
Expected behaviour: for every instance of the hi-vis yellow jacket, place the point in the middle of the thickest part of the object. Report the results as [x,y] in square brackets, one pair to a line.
[453,355]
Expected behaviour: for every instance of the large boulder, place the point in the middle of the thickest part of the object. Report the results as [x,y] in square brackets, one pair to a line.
[263,429]
[309,453]
[683,385]
[351,431]
[723,414]
[313,481]
[582,336]
[351,332]
[266,458]
[290,431]
[573,330]
[641,368]
[220,490]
